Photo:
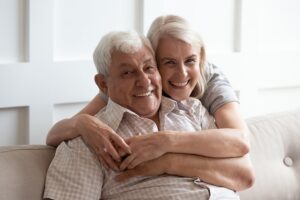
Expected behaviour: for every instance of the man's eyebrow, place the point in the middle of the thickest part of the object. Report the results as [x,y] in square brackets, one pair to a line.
[124,65]
[150,60]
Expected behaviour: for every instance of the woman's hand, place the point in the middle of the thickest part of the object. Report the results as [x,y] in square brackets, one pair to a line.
[101,139]
[145,148]
[155,167]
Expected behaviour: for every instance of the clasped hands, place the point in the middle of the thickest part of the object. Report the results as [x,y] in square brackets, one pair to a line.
[134,156]
[137,155]
[147,157]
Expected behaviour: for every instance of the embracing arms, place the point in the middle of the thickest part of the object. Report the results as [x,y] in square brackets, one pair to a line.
[99,136]
[216,143]
[235,173]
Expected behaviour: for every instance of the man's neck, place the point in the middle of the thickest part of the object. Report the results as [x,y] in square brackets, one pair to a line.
[155,118]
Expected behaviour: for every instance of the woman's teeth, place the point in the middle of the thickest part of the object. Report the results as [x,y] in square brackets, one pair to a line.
[179,84]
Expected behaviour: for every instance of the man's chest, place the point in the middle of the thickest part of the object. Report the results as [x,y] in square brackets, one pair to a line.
[176,121]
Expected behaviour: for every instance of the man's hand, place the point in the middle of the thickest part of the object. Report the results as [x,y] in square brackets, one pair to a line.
[144,148]
[153,167]
[102,140]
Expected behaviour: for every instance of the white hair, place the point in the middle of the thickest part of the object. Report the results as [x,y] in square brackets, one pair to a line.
[179,28]
[126,42]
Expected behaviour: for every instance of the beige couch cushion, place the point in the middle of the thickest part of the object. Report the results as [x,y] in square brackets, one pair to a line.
[23,171]
[275,153]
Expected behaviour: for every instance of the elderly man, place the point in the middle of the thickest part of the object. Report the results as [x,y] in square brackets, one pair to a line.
[136,107]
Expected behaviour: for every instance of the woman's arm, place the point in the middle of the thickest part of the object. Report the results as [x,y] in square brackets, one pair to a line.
[233,173]
[229,140]
[97,135]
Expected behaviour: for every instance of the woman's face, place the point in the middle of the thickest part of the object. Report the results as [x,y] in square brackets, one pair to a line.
[179,66]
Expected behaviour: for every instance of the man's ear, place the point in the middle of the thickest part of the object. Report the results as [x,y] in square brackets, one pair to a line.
[100,81]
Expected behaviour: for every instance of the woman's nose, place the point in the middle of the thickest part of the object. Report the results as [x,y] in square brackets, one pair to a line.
[182,71]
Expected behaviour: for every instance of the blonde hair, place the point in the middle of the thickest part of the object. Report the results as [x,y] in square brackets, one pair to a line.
[179,28]
[126,42]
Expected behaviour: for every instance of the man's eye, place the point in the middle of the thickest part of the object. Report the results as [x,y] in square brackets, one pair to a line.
[151,69]
[127,73]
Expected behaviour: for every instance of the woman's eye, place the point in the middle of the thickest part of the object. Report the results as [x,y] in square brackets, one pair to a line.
[191,61]
[170,62]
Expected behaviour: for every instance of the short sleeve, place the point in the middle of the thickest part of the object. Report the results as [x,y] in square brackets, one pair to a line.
[74,173]
[218,90]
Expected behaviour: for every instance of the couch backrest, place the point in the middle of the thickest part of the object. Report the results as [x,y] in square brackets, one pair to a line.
[23,171]
[275,154]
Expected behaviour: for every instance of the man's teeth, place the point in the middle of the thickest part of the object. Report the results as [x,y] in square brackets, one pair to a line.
[143,94]
[179,84]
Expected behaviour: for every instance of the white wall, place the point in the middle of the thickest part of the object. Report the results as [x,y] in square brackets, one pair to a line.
[46,71]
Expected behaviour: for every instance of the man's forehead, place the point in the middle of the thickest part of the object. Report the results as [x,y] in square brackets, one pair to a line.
[141,55]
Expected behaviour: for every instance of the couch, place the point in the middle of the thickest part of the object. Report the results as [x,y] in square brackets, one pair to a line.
[275,153]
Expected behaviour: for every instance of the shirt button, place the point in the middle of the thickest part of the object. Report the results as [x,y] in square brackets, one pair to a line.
[288,161]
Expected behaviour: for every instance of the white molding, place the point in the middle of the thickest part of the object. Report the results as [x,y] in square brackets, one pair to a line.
[151,10]
[40,30]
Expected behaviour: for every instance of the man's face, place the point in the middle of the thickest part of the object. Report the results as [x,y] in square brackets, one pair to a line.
[134,82]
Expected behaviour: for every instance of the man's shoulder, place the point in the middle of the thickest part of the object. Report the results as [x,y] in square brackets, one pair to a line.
[76,144]
[113,113]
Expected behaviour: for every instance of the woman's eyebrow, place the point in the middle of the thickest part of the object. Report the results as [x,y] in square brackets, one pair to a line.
[191,56]
[167,58]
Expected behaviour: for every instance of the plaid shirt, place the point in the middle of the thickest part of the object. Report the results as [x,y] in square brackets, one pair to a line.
[76,173]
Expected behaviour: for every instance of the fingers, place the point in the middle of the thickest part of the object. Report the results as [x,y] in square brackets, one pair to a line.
[134,163]
[122,153]
[121,143]
[127,161]
[107,160]
[110,149]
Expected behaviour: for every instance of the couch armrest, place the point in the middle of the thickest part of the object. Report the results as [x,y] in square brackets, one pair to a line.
[23,170]
[275,154]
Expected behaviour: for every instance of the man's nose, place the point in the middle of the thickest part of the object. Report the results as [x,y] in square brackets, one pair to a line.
[143,80]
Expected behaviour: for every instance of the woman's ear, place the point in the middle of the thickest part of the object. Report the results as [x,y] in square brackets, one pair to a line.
[101,83]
